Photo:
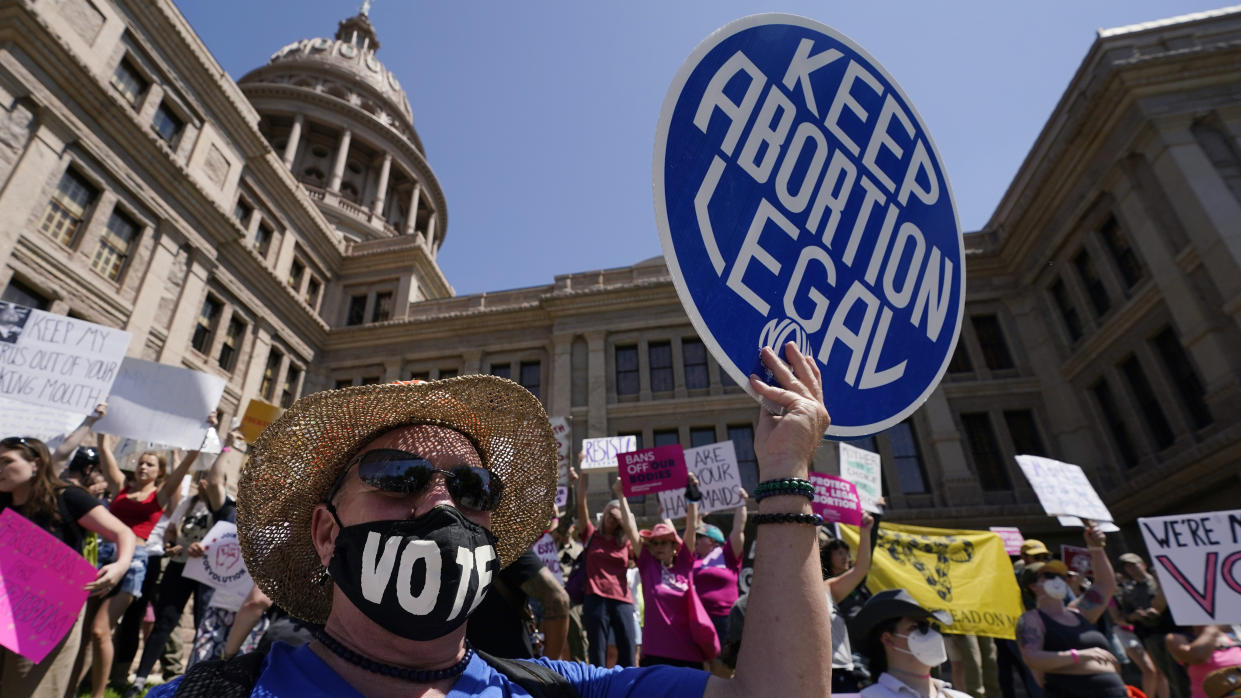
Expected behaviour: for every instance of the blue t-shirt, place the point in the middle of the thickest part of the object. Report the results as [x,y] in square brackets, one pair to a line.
[290,671]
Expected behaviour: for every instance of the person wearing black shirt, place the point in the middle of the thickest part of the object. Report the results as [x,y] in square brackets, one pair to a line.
[501,625]
[30,487]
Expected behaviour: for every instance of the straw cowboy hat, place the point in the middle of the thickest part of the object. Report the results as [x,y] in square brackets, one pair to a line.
[297,459]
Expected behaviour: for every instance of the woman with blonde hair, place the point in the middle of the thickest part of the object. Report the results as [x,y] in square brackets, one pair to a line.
[139,507]
[30,486]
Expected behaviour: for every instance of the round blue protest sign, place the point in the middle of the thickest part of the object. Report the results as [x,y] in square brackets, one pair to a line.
[799,197]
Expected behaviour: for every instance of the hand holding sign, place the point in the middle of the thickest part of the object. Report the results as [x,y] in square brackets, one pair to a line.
[787,212]
[659,469]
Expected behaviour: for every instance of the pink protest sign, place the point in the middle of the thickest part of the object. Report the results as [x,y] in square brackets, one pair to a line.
[651,470]
[42,587]
[836,500]
[1076,558]
[1012,539]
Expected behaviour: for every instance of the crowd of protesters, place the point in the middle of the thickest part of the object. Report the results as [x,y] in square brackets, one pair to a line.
[627,596]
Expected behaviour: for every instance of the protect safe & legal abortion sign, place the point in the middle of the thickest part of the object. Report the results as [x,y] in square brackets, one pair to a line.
[799,197]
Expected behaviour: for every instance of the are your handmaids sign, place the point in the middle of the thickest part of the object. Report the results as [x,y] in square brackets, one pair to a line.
[719,480]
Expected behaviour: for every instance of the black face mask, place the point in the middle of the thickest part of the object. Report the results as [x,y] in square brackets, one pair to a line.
[417,578]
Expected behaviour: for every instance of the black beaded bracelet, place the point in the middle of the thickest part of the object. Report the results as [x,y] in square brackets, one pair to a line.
[788,483]
[783,491]
[812,519]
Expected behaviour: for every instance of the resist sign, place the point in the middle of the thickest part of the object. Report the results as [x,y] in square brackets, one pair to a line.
[1198,560]
[650,470]
[799,197]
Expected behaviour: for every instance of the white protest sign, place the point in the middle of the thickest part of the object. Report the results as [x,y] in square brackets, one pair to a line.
[564,441]
[718,478]
[57,361]
[547,550]
[221,566]
[1063,489]
[862,468]
[161,403]
[600,454]
[37,421]
[1073,521]
[1198,560]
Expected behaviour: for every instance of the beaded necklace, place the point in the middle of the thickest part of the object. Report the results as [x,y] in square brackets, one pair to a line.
[415,675]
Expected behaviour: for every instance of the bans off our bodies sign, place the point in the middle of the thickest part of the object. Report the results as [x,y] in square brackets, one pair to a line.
[799,197]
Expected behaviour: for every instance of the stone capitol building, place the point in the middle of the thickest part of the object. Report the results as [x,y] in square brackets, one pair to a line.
[281,232]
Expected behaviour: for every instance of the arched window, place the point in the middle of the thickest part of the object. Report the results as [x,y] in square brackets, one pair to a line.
[314,175]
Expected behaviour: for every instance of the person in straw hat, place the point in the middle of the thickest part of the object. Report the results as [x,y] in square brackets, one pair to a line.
[382,512]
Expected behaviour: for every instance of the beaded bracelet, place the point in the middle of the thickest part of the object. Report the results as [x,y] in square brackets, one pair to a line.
[782,491]
[812,519]
[784,484]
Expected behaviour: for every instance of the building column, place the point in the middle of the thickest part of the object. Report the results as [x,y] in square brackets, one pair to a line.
[154,283]
[597,392]
[217,339]
[295,137]
[1068,426]
[338,166]
[256,360]
[412,220]
[1203,203]
[431,238]
[381,189]
[185,315]
[392,370]
[24,190]
[471,362]
[959,485]
[1203,339]
[560,392]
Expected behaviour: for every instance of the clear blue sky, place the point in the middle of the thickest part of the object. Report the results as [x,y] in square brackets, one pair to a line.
[538,117]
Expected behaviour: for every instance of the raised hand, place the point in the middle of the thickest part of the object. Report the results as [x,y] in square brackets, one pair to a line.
[786,442]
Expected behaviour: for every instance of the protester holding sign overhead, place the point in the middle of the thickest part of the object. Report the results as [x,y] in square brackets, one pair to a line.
[1062,641]
[29,485]
[140,508]
[676,630]
[839,586]
[608,604]
[717,566]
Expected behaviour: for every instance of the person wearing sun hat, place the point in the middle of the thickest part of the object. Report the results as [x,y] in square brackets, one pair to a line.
[902,644]
[1061,640]
[382,512]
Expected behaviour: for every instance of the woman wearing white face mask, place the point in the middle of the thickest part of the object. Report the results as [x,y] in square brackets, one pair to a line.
[1062,641]
[902,647]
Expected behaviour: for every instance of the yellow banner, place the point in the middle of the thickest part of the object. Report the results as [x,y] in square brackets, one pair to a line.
[964,572]
[258,415]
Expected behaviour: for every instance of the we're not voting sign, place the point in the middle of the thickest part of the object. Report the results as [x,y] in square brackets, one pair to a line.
[799,197]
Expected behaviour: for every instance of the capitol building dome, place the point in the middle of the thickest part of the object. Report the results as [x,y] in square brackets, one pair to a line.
[344,127]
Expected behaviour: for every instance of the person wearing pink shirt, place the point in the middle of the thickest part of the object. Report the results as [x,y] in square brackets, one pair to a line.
[717,565]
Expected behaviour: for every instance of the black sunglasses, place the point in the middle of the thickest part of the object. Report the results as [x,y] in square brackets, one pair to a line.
[1050,575]
[390,470]
[14,442]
